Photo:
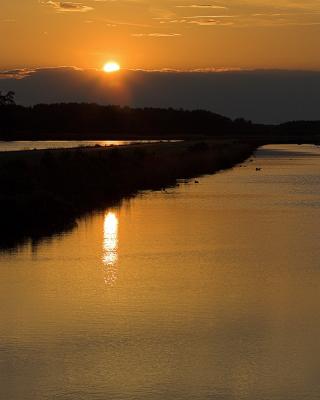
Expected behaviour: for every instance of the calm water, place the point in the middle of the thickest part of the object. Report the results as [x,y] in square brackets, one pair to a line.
[65,144]
[207,291]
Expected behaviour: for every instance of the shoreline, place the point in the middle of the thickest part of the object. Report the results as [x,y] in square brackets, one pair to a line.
[44,192]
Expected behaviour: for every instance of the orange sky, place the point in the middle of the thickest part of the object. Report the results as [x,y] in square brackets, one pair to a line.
[161,34]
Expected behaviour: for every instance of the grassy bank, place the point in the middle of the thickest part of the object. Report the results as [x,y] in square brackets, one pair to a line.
[44,192]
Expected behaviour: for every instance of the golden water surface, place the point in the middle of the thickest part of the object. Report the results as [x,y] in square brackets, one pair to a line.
[205,291]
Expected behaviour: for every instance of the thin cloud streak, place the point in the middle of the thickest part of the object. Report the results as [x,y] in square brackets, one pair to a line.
[210,6]
[66,6]
[156,35]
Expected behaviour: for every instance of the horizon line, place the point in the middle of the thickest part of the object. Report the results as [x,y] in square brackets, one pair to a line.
[23,72]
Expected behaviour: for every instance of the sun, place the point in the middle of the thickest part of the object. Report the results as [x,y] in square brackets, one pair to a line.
[111,66]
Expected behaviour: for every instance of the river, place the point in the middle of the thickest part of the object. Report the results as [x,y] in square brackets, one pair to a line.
[210,290]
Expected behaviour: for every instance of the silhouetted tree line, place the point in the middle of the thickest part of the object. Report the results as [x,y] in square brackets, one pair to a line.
[74,120]
[93,121]
[299,128]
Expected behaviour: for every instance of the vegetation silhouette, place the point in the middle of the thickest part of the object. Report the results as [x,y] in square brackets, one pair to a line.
[83,121]
[91,121]
[44,192]
[7,99]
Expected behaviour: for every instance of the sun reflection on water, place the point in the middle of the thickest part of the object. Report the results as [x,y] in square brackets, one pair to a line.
[110,247]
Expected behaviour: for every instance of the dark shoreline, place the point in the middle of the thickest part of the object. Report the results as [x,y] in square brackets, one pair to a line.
[87,121]
[44,192]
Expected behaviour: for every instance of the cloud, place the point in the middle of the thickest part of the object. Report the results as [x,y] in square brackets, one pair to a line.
[16,73]
[267,19]
[202,6]
[66,6]
[114,23]
[157,35]
[262,96]
[8,21]
[280,19]
[203,20]
[250,13]
[209,21]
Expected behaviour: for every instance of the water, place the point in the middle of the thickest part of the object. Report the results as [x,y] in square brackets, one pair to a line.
[207,291]
[65,144]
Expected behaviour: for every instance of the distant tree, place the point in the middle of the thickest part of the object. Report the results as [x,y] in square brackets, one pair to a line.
[7,99]
[242,121]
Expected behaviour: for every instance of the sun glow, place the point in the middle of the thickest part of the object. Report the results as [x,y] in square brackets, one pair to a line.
[111,66]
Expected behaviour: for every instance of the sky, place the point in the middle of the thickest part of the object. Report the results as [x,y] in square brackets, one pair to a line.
[257,59]
[158,34]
